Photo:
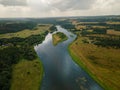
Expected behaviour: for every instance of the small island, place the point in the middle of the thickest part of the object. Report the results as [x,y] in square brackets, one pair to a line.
[59,37]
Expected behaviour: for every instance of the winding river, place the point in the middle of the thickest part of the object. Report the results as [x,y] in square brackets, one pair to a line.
[60,71]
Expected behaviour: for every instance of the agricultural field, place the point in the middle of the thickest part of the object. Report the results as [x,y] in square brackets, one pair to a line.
[39,29]
[113,32]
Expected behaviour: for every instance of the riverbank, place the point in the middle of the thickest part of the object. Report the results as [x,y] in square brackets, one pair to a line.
[94,69]
[81,64]
[27,75]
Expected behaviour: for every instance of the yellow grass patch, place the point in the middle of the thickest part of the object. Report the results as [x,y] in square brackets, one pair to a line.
[80,27]
[27,75]
[102,27]
[113,32]
[89,30]
[74,22]
[113,23]
[87,22]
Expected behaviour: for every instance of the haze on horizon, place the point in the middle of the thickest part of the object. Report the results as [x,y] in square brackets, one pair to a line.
[56,8]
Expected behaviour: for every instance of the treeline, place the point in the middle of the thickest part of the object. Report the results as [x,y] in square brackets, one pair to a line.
[95,31]
[10,27]
[31,40]
[108,26]
[111,41]
[115,27]
[98,18]
[94,24]
[61,35]
[67,26]
[53,28]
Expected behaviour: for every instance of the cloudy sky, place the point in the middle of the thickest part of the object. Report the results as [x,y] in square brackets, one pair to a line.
[55,8]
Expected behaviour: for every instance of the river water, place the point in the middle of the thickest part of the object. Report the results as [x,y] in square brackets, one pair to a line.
[60,71]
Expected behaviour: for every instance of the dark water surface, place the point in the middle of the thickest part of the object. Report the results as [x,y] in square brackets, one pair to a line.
[61,72]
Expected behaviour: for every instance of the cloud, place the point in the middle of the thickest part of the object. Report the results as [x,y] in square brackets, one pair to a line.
[51,8]
[64,5]
[40,5]
[13,2]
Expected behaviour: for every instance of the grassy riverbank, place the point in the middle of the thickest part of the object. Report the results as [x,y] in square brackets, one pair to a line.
[27,75]
[59,37]
[100,63]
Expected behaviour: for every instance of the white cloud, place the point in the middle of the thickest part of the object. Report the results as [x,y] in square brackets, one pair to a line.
[72,4]
[13,2]
[48,8]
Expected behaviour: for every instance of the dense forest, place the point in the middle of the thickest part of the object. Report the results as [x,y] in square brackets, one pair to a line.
[110,41]
[98,18]
[8,27]
[52,29]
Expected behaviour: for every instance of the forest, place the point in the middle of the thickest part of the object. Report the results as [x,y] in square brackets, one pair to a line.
[8,27]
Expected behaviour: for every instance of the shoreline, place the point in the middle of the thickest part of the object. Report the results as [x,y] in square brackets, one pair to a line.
[42,73]
[77,60]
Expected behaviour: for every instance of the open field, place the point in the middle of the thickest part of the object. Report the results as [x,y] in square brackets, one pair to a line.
[59,37]
[101,27]
[113,23]
[27,75]
[80,27]
[26,33]
[113,32]
[101,63]
[76,22]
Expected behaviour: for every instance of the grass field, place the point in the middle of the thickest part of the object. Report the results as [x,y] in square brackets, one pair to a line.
[113,32]
[113,23]
[59,37]
[101,63]
[26,33]
[27,75]
[101,27]
[79,27]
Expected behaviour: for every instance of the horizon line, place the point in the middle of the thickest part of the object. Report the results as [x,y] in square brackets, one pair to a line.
[57,16]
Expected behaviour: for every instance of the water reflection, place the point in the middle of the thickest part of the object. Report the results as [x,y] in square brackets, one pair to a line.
[61,73]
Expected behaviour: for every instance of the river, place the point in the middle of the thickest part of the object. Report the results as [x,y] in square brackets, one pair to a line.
[60,71]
